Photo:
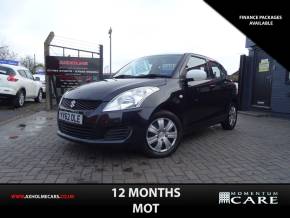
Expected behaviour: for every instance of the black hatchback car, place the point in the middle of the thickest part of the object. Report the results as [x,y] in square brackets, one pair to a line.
[150,103]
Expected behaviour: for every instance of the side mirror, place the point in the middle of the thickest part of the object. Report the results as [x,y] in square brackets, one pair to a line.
[196,75]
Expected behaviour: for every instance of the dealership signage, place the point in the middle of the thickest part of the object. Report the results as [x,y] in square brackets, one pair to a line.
[264,65]
[72,71]
[11,62]
[248,197]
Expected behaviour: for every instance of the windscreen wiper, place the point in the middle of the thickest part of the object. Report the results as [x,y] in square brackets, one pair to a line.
[152,75]
[123,76]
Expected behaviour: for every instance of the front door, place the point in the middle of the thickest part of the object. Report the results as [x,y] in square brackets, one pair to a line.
[262,85]
[197,93]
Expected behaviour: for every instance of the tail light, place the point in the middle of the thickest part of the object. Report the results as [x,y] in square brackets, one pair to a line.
[12,78]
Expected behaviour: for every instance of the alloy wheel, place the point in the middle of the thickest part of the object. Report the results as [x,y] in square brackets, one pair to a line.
[232,115]
[21,99]
[161,135]
[40,96]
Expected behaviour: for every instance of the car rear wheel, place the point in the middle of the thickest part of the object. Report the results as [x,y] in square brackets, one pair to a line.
[39,96]
[163,134]
[19,99]
[231,119]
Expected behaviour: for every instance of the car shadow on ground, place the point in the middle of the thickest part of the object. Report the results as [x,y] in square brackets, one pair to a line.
[6,104]
[113,151]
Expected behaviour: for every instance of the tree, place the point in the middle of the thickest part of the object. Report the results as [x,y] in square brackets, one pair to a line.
[6,53]
[28,62]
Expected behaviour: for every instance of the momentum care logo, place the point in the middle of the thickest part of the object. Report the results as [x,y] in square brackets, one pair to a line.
[248,198]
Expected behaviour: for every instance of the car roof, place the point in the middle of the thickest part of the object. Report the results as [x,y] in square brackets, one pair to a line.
[202,56]
[14,67]
[197,55]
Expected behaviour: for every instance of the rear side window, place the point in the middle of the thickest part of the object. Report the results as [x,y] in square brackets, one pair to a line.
[6,71]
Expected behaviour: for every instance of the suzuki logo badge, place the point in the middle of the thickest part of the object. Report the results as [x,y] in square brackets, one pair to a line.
[72,103]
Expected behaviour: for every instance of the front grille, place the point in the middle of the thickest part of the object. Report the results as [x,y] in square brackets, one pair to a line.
[79,131]
[91,133]
[119,133]
[80,104]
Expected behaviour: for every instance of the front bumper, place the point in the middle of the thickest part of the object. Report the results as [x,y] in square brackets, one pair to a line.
[43,88]
[99,127]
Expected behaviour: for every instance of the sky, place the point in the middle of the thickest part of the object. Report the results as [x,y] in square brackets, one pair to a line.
[140,28]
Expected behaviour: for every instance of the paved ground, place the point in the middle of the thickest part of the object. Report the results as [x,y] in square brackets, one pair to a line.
[258,150]
[8,112]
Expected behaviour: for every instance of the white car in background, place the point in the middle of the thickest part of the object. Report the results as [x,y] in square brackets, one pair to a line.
[18,84]
[40,78]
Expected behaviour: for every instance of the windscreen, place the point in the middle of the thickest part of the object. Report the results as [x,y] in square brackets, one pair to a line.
[151,66]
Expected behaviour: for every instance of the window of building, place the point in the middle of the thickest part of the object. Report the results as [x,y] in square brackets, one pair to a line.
[288,77]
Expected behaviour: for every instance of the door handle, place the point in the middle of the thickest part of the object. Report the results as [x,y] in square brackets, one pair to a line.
[212,85]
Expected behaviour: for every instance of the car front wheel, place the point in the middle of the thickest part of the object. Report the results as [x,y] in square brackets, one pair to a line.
[163,134]
[231,119]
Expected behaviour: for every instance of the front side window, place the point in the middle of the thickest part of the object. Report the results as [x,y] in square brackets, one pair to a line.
[28,75]
[22,73]
[217,70]
[197,63]
[151,66]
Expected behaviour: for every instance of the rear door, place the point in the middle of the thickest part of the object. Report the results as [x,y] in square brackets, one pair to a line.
[4,73]
[25,82]
[32,84]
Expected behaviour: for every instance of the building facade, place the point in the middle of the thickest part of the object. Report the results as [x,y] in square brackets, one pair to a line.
[264,84]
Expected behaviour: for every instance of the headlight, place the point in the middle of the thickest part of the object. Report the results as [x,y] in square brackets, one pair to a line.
[62,97]
[130,99]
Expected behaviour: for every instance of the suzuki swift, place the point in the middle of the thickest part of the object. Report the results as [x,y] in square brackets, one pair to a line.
[150,103]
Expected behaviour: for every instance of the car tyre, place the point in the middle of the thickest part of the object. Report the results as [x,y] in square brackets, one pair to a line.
[231,120]
[19,99]
[39,96]
[163,135]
